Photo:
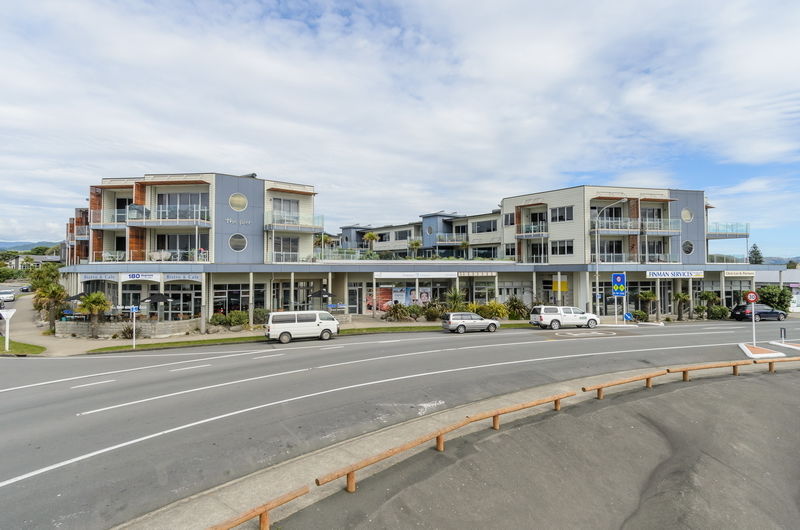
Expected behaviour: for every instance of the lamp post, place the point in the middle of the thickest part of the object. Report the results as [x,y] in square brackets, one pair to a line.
[597,253]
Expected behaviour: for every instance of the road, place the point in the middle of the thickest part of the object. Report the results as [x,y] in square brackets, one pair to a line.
[94,441]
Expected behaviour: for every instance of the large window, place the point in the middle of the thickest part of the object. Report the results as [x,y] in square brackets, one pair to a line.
[508,219]
[511,250]
[562,213]
[651,213]
[182,206]
[561,248]
[383,236]
[402,235]
[236,297]
[615,212]
[484,252]
[180,247]
[484,226]
[286,249]
[460,229]
[286,211]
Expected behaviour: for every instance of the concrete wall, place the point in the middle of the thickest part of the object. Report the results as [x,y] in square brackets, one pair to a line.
[143,329]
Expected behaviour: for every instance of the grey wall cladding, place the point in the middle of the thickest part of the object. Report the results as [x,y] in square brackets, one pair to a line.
[249,222]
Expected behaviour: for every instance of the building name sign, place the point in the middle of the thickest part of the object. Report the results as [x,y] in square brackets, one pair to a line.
[739,274]
[169,276]
[140,276]
[380,275]
[241,222]
[109,276]
[674,274]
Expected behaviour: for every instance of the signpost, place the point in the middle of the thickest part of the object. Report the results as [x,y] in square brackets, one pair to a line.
[134,310]
[752,297]
[6,315]
[619,287]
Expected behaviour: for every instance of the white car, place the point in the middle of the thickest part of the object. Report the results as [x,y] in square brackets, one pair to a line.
[555,317]
[287,325]
[7,296]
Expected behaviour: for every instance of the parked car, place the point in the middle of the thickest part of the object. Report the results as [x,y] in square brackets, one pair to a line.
[763,312]
[287,325]
[554,317]
[461,322]
[7,296]
[25,289]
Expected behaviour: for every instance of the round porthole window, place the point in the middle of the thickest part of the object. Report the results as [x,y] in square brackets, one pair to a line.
[238,202]
[237,242]
[429,230]
[688,247]
[687,216]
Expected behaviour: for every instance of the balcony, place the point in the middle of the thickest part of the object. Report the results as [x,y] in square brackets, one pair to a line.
[615,225]
[727,258]
[659,258]
[82,233]
[727,230]
[283,222]
[192,215]
[159,256]
[661,225]
[614,257]
[110,219]
[449,238]
[532,231]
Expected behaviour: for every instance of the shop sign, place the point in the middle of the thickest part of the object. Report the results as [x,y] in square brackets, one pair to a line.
[484,273]
[413,275]
[734,274]
[108,276]
[170,276]
[674,274]
[140,276]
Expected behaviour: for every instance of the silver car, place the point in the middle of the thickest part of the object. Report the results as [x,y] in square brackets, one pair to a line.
[7,296]
[461,322]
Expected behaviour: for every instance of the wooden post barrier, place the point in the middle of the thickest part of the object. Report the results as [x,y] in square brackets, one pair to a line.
[648,379]
[773,361]
[732,364]
[262,512]
[350,471]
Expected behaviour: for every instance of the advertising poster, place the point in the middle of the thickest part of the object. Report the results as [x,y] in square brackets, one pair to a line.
[399,295]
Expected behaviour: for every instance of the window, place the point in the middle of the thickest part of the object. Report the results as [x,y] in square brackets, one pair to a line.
[484,252]
[383,237]
[286,211]
[283,319]
[508,219]
[326,316]
[652,247]
[566,310]
[688,216]
[180,247]
[237,202]
[402,235]
[306,317]
[237,242]
[651,213]
[286,249]
[688,247]
[560,214]
[511,249]
[460,229]
[479,227]
[613,246]
[561,248]
[615,212]
[183,206]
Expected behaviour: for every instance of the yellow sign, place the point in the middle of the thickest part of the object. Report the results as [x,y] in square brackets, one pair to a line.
[562,286]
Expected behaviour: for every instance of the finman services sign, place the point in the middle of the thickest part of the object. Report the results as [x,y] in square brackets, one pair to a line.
[674,274]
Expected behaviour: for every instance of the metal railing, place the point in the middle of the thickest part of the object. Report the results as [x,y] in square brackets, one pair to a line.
[616,223]
[286,257]
[450,237]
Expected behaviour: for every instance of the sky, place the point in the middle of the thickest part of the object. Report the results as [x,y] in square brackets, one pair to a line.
[395,109]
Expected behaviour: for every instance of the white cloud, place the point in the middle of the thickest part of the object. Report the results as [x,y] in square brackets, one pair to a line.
[390,109]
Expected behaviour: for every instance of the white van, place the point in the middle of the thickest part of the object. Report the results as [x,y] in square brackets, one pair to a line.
[287,325]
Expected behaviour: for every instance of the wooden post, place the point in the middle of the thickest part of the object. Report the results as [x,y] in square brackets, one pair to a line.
[496,422]
[351,482]
[263,521]
[648,383]
[440,443]
[735,369]
[599,393]
[686,375]
[557,404]
[772,367]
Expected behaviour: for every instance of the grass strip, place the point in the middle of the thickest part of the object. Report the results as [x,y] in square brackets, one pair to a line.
[20,348]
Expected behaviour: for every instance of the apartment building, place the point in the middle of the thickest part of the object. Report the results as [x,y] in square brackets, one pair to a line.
[215,243]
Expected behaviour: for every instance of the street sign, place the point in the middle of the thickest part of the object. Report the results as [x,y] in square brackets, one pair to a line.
[6,315]
[751,297]
[134,309]
[619,286]
[628,316]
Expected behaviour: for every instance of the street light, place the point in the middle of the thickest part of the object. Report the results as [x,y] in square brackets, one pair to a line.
[597,253]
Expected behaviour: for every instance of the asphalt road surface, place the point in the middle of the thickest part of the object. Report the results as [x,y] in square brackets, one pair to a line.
[94,441]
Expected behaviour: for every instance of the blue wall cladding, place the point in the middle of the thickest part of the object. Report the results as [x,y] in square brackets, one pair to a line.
[249,222]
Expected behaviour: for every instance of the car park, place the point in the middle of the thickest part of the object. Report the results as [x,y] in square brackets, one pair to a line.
[763,312]
[556,317]
[464,321]
[287,325]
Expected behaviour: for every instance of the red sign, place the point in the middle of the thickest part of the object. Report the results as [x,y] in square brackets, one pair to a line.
[751,297]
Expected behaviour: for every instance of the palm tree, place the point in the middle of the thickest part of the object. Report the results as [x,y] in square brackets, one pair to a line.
[371,238]
[322,241]
[50,298]
[648,297]
[454,299]
[680,299]
[94,304]
[464,245]
[710,298]
[414,246]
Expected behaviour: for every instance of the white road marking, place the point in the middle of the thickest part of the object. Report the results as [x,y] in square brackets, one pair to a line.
[190,367]
[189,391]
[92,384]
[269,356]
[381,358]
[87,456]
[332,348]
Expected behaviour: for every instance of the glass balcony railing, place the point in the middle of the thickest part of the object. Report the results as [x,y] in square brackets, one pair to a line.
[281,219]
[615,223]
[728,228]
[108,216]
[168,214]
[286,257]
[534,228]
[81,231]
[163,255]
[613,257]
[659,258]
[727,258]
[663,225]
[449,237]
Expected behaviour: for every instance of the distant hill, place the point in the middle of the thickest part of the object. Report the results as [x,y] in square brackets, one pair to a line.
[772,260]
[25,245]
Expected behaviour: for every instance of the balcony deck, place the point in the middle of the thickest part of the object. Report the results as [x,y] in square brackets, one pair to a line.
[727,230]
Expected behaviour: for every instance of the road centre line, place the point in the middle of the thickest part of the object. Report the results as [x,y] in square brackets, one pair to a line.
[87,456]
[125,370]
[92,384]
[270,356]
[190,367]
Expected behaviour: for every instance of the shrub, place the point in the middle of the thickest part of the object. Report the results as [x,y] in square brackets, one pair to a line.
[718,312]
[494,310]
[668,319]
[432,312]
[774,296]
[415,311]
[218,319]
[396,312]
[260,315]
[472,307]
[517,310]
[238,318]
[639,315]
[126,332]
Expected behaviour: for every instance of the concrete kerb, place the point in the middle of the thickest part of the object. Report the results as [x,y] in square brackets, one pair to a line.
[228,500]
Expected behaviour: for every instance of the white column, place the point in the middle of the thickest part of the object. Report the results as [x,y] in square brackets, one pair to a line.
[416,288]
[658,299]
[722,287]
[496,286]
[347,293]
[208,293]
[587,284]
[252,301]
[291,291]
[691,300]
[203,296]
[533,287]
[374,295]
[560,293]
[458,287]
[119,290]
